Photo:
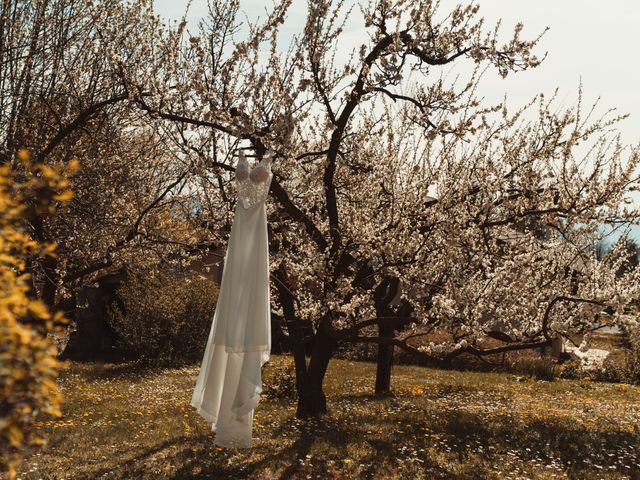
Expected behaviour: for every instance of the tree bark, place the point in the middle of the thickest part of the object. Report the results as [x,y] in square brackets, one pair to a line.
[49,288]
[312,401]
[384,294]
[296,335]
[384,361]
[49,264]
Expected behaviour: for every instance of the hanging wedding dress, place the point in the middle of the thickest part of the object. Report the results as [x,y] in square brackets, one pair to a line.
[229,383]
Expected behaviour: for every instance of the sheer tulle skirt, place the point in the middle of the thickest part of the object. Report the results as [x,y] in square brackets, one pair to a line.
[230,394]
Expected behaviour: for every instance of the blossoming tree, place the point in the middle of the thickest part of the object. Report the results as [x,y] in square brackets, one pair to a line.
[401,201]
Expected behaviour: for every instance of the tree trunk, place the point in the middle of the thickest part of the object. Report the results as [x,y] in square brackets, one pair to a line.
[311,398]
[309,378]
[49,264]
[312,401]
[384,361]
[384,294]
[49,288]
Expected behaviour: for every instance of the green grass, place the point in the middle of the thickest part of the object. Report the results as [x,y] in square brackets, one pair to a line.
[126,423]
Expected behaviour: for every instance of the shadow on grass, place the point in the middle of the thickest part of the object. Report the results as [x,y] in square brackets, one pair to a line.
[465,445]
[307,434]
[475,444]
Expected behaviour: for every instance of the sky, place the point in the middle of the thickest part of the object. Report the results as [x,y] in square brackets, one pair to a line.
[588,40]
[592,42]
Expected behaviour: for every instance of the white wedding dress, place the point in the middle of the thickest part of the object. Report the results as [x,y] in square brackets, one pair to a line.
[229,383]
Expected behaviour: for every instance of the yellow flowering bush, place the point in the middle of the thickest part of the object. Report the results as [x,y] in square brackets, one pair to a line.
[28,367]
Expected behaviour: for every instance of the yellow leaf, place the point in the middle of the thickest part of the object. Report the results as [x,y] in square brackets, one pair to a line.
[8,259]
[73,166]
[64,196]
[47,171]
[39,309]
[23,156]
[53,410]
[15,435]
[50,247]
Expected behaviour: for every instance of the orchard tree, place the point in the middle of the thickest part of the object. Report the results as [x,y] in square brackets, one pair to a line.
[510,232]
[389,178]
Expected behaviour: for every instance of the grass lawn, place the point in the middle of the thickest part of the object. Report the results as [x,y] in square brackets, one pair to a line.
[126,423]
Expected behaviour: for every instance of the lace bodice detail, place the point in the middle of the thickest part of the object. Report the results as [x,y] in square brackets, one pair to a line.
[253,184]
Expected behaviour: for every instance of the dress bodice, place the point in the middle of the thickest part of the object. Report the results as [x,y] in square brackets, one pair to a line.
[253,184]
